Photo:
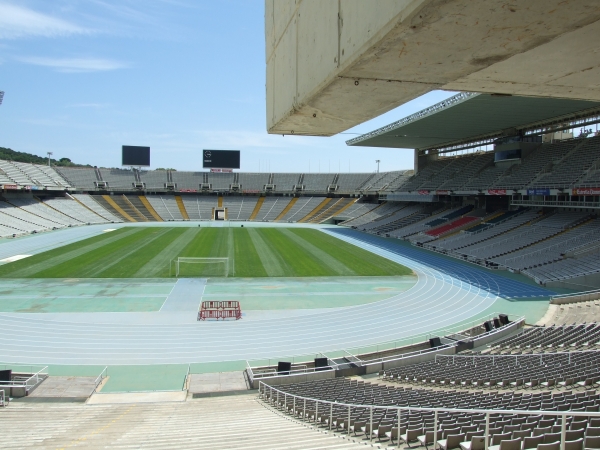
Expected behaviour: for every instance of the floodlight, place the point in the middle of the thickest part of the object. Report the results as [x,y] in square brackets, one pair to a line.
[1,96]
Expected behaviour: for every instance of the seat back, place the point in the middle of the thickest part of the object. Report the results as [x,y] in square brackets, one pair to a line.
[549,438]
[511,444]
[551,446]
[477,443]
[454,440]
[577,444]
[592,442]
[532,442]
[498,438]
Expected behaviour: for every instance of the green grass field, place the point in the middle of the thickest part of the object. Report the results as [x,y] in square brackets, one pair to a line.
[146,252]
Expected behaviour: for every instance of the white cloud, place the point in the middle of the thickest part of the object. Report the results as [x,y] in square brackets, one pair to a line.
[75,64]
[17,21]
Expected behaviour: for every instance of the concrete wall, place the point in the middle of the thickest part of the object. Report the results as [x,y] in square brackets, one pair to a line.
[575,298]
[294,378]
[333,64]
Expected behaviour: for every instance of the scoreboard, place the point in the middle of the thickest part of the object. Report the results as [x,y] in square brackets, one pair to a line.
[221,159]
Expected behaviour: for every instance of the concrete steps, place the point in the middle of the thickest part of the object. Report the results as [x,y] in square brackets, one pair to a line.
[208,423]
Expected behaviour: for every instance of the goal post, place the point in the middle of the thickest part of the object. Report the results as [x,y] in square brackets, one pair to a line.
[188,267]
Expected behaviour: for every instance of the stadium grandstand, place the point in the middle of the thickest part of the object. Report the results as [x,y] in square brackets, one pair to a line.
[452,305]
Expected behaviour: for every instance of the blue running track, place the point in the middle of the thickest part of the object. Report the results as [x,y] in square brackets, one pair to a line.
[482,278]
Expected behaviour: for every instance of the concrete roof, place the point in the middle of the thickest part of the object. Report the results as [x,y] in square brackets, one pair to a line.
[470,116]
[333,65]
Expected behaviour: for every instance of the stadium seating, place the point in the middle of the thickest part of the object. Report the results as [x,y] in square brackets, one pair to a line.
[79,177]
[239,208]
[89,202]
[367,414]
[75,210]
[301,208]
[561,338]
[382,211]
[165,206]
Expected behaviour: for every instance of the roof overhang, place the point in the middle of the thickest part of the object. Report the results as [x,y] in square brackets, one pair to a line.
[470,117]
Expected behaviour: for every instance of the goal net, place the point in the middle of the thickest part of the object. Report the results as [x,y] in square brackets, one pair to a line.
[187,267]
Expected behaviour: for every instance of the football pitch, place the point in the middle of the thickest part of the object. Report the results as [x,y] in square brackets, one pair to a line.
[149,252]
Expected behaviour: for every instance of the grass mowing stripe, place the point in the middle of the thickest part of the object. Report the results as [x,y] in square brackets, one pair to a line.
[30,267]
[91,265]
[272,263]
[332,262]
[159,265]
[126,264]
[200,246]
[247,262]
[358,259]
[300,262]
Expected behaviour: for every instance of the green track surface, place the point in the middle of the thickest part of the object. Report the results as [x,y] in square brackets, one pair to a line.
[73,295]
[146,252]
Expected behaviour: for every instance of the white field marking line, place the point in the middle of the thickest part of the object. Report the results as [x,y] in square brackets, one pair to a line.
[14,258]
[202,295]
[108,230]
[167,297]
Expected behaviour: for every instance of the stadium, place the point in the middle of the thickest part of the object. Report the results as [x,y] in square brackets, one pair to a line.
[453,305]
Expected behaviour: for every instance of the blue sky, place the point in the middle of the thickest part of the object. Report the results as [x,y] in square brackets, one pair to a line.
[83,77]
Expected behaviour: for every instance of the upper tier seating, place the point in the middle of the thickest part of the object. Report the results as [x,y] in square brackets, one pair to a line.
[285,182]
[118,178]
[154,179]
[542,158]
[188,180]
[317,182]
[349,182]
[31,174]
[573,166]
[220,181]
[253,181]
[79,177]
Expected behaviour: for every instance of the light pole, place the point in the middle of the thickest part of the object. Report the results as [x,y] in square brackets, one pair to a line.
[49,155]
[377,161]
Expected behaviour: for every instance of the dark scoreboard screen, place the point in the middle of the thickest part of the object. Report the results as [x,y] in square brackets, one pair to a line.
[136,156]
[221,159]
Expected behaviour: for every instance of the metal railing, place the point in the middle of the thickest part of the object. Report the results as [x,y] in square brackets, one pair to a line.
[564,203]
[274,397]
[27,382]
[100,378]
[539,356]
